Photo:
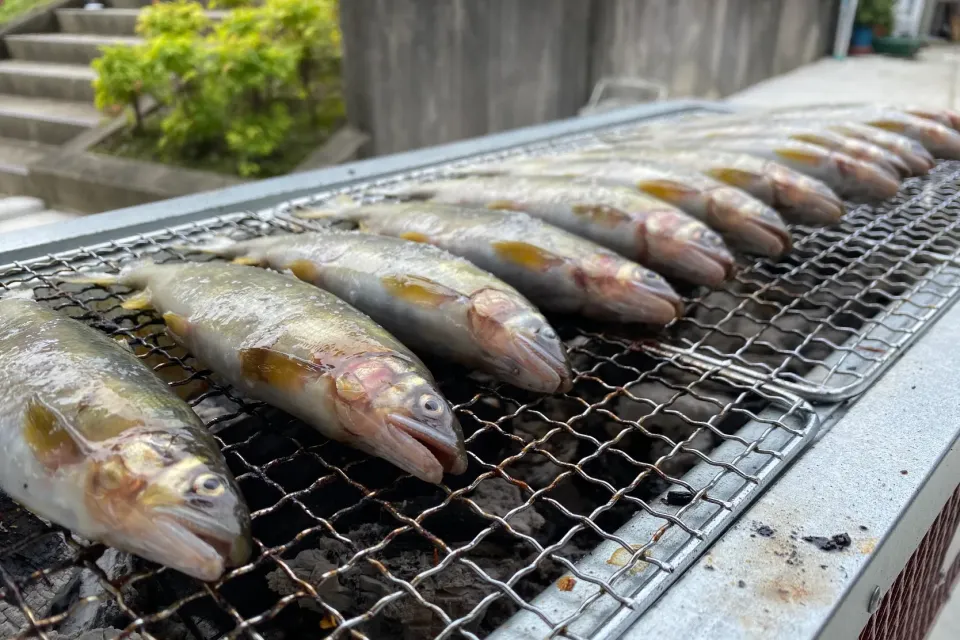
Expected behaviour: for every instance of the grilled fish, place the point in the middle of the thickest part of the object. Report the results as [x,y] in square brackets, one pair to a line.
[430,299]
[912,152]
[554,269]
[745,222]
[94,442]
[847,176]
[655,234]
[941,141]
[799,198]
[821,137]
[301,349]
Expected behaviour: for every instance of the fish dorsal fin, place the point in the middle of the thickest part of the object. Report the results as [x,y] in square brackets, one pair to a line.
[278,369]
[420,291]
[51,437]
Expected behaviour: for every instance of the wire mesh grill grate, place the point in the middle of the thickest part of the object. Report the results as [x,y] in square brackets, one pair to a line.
[824,321]
[350,546]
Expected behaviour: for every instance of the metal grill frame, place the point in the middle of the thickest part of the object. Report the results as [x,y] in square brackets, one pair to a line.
[882,469]
[200,207]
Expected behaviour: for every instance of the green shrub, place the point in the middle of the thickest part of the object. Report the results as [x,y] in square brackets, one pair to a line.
[234,88]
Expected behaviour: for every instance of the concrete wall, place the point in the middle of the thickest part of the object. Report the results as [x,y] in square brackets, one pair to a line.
[422,72]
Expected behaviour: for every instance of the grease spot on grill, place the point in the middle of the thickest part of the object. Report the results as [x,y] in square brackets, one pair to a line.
[867,546]
[621,557]
[566,583]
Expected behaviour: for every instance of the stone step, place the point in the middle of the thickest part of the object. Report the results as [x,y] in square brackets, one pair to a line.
[16,156]
[66,48]
[108,22]
[128,4]
[43,80]
[44,120]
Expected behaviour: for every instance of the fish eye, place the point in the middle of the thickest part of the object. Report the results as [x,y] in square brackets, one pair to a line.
[548,333]
[430,404]
[208,485]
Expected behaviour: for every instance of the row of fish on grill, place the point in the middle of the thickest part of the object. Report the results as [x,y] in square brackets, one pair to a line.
[458,267]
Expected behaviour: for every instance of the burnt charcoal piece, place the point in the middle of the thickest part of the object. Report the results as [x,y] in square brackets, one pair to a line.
[678,497]
[838,542]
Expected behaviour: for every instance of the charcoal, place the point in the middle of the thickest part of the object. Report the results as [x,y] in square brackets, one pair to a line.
[103,611]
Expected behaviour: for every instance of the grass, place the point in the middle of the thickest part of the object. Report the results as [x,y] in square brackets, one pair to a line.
[11,9]
[304,138]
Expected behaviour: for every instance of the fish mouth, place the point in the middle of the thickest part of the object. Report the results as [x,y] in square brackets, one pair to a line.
[421,451]
[871,180]
[646,300]
[542,368]
[811,202]
[197,545]
[705,260]
[749,224]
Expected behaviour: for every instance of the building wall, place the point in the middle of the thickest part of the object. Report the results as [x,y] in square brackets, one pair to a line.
[423,72]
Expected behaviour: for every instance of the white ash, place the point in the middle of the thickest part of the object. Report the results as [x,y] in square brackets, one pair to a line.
[309,566]
[498,497]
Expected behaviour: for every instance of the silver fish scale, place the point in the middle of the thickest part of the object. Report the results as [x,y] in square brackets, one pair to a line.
[565,492]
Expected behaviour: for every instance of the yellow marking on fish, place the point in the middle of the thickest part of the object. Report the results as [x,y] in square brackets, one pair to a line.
[526,255]
[889,125]
[48,438]
[505,205]
[328,622]
[666,190]
[305,270]
[419,291]
[808,158]
[601,214]
[138,301]
[279,370]
[246,261]
[733,177]
[415,236]
[176,324]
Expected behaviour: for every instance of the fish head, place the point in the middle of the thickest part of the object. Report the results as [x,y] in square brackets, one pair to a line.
[394,411]
[682,247]
[867,176]
[807,200]
[518,342]
[171,504]
[756,227]
[627,290]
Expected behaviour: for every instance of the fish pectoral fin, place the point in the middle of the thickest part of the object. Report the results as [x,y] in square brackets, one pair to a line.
[504,205]
[138,301]
[415,236]
[246,261]
[731,176]
[526,255]
[277,369]
[305,270]
[420,291]
[666,190]
[51,437]
[805,157]
[99,279]
[177,325]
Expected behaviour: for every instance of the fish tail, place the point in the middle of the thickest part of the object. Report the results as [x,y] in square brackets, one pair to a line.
[126,276]
[331,209]
[218,246]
